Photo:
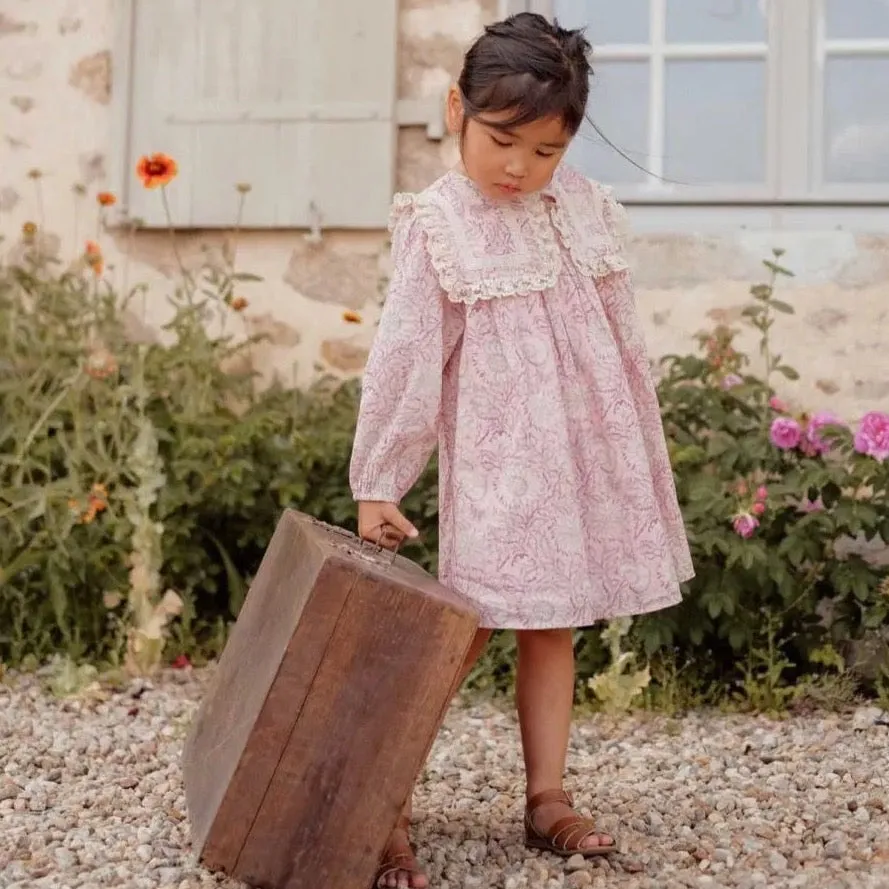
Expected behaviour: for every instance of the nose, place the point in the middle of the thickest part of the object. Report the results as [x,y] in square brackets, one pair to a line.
[516,169]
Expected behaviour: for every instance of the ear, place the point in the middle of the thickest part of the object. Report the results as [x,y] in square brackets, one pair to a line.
[454,111]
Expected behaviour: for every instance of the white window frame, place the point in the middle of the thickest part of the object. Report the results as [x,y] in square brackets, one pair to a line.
[796,54]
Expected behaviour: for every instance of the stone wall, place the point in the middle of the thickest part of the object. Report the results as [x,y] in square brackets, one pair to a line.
[55,94]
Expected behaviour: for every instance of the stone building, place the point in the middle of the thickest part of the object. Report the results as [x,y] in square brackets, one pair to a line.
[764,124]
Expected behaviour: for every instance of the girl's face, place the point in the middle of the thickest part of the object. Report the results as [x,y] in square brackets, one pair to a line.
[505,164]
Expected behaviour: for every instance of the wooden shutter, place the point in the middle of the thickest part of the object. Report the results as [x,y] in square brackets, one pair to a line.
[294,97]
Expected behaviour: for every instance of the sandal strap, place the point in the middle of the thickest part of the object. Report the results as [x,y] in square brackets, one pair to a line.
[549,796]
[570,832]
[402,861]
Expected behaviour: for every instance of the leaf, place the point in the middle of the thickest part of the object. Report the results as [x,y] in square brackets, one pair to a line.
[778,269]
[789,372]
[781,306]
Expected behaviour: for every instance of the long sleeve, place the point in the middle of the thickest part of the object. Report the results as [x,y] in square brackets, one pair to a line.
[618,298]
[399,414]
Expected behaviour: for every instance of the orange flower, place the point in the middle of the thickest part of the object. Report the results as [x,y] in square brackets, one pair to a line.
[100,364]
[156,170]
[239,303]
[106,198]
[94,259]
[351,317]
[98,499]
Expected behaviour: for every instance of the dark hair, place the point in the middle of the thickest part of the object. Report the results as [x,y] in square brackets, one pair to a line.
[530,66]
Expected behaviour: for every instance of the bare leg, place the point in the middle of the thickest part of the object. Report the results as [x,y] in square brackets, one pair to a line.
[545,699]
[399,841]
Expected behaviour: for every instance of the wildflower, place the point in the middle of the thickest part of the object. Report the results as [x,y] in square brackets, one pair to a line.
[29,229]
[785,433]
[808,505]
[156,170]
[74,506]
[762,494]
[745,525]
[106,199]
[758,508]
[731,380]
[182,662]
[872,437]
[101,364]
[93,255]
[776,404]
[35,173]
[239,303]
[814,443]
[98,499]
[244,188]
[351,317]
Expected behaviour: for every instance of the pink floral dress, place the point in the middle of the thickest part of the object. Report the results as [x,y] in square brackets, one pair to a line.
[510,339]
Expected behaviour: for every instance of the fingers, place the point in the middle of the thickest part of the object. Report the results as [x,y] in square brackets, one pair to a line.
[384,525]
[394,519]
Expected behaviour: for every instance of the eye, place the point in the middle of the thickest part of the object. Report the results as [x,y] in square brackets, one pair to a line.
[546,153]
[500,142]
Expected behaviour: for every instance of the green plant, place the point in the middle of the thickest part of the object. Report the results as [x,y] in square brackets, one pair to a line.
[775,505]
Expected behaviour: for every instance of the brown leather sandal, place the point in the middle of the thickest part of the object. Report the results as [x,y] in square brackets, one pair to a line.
[400,861]
[566,835]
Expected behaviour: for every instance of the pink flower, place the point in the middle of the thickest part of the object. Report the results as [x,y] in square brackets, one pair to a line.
[776,404]
[872,437]
[745,525]
[762,493]
[732,380]
[811,505]
[785,433]
[814,443]
[758,508]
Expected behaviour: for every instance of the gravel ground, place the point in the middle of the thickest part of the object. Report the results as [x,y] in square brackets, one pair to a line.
[90,796]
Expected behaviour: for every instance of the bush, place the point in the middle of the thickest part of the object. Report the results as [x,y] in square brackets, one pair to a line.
[141,482]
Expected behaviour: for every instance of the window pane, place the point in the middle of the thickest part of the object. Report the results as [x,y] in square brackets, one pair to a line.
[716,21]
[856,120]
[606,21]
[848,19]
[715,122]
[619,107]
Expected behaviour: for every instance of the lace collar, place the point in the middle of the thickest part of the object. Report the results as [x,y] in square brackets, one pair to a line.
[483,249]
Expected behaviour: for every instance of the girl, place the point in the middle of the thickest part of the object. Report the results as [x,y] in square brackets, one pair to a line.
[509,338]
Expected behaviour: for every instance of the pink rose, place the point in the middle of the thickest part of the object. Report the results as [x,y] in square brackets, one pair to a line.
[732,380]
[762,493]
[745,525]
[872,437]
[758,508]
[814,443]
[776,404]
[785,433]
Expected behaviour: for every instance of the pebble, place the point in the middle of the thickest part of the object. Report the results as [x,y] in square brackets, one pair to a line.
[91,797]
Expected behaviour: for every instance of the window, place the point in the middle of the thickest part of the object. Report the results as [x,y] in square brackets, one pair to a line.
[296,99]
[736,101]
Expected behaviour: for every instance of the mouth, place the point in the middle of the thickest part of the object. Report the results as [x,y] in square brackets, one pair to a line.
[509,189]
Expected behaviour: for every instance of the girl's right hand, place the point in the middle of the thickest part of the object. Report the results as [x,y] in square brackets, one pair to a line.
[381,522]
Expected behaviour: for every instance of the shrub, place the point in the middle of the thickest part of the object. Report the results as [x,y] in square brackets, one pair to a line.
[141,482]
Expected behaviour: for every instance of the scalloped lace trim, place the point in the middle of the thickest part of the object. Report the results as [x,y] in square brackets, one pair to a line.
[536,266]
[595,253]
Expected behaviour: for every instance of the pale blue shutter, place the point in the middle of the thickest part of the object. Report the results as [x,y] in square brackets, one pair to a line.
[294,97]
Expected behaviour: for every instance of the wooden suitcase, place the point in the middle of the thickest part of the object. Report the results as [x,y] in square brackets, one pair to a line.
[322,710]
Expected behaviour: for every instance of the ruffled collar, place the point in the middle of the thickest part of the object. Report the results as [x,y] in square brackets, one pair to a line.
[484,249]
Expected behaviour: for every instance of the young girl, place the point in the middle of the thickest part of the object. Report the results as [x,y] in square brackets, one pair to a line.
[509,338]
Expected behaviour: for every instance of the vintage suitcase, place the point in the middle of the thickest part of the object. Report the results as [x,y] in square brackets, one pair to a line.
[322,710]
